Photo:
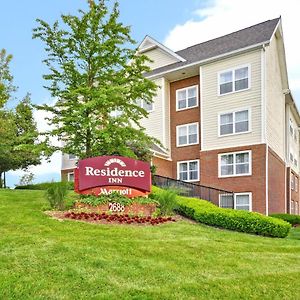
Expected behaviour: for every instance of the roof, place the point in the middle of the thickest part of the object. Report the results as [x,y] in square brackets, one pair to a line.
[244,38]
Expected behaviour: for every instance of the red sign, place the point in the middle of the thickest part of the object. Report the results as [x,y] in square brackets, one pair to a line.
[104,174]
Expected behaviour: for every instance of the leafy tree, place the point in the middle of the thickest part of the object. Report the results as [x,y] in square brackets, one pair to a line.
[26,179]
[94,73]
[19,147]
[6,79]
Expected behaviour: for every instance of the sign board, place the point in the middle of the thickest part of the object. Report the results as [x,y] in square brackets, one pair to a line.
[105,174]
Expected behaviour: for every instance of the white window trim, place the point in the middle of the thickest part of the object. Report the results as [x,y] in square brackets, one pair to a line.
[142,105]
[188,161]
[233,112]
[197,97]
[233,79]
[69,174]
[234,155]
[187,125]
[234,199]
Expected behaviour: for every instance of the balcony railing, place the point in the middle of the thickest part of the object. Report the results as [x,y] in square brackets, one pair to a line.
[190,189]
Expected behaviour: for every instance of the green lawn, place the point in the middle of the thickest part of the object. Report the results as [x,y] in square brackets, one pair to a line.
[42,258]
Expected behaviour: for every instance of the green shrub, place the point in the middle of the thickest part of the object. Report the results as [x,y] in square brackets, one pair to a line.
[238,220]
[167,201]
[114,197]
[292,219]
[56,194]
[43,186]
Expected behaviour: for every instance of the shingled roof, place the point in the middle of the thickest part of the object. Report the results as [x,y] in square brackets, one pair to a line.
[247,37]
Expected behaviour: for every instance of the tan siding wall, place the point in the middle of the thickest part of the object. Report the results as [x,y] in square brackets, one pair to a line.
[155,123]
[293,145]
[167,141]
[212,104]
[275,102]
[159,58]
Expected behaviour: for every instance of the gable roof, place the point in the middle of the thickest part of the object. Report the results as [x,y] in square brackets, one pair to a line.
[245,38]
[150,43]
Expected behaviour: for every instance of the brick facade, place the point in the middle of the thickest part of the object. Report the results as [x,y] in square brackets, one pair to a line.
[255,183]
[163,167]
[185,116]
[276,183]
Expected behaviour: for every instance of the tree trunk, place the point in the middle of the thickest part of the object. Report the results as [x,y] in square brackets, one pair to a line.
[4,180]
[0,180]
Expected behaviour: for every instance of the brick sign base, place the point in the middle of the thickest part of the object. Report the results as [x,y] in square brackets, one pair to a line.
[134,208]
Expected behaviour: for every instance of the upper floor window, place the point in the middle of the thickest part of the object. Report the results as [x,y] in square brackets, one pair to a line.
[147,106]
[291,127]
[234,80]
[187,98]
[234,122]
[188,170]
[187,134]
[235,164]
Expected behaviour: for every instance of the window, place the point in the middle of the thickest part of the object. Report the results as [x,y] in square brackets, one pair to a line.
[291,157]
[243,201]
[71,176]
[296,184]
[188,170]
[187,134]
[235,164]
[295,135]
[296,208]
[292,182]
[239,201]
[295,162]
[226,201]
[187,98]
[116,113]
[291,127]
[72,156]
[145,105]
[234,80]
[292,207]
[234,122]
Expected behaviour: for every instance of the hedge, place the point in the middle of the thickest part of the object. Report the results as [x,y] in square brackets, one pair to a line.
[42,186]
[238,220]
[292,219]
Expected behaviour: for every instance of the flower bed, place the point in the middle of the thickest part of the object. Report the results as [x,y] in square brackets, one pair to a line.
[115,218]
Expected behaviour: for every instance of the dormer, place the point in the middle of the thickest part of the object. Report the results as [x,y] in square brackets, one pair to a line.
[159,54]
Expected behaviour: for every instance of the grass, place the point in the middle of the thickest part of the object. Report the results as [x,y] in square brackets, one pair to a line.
[42,258]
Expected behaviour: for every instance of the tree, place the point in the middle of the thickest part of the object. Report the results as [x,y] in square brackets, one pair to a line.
[19,146]
[94,73]
[6,79]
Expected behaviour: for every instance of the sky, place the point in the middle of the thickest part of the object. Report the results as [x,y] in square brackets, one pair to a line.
[175,23]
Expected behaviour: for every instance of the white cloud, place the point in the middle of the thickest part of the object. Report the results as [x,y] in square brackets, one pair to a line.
[226,16]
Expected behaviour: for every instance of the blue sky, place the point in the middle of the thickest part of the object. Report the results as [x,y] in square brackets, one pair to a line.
[176,23]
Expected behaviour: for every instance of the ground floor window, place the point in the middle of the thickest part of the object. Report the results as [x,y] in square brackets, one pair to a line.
[292,207]
[188,170]
[296,208]
[71,176]
[239,201]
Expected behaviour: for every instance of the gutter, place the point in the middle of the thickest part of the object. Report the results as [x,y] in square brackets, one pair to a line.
[211,59]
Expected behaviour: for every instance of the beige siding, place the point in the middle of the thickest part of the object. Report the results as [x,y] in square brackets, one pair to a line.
[155,124]
[213,105]
[275,101]
[167,141]
[159,58]
[293,144]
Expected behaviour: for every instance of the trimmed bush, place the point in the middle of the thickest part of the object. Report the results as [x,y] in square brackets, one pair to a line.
[292,219]
[238,220]
[43,186]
